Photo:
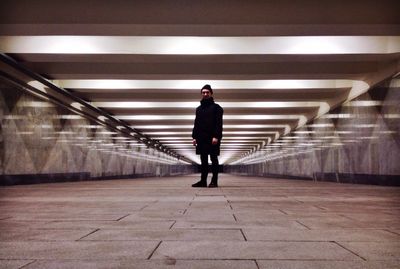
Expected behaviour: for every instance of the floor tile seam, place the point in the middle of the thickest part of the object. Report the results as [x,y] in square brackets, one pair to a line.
[388,230]
[229,203]
[234,216]
[320,207]
[174,222]
[154,240]
[349,218]
[40,259]
[283,212]
[350,228]
[243,234]
[208,259]
[316,241]
[248,241]
[302,224]
[154,250]
[122,217]
[349,250]
[258,259]
[233,241]
[92,232]
[44,241]
[143,207]
[311,260]
[26,265]
[69,220]
[207,229]
[187,240]
[209,195]
[86,241]
[124,259]
[121,228]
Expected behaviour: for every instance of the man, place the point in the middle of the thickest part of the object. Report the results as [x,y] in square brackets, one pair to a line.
[207,135]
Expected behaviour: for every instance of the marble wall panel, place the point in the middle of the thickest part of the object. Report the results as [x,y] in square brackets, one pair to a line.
[365,142]
[39,138]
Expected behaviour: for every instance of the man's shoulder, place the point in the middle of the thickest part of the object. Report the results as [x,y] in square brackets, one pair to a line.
[218,106]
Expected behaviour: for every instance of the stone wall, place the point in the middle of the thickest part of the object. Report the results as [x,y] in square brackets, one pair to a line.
[365,147]
[42,142]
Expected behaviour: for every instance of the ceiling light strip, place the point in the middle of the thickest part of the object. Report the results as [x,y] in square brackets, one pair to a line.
[187,45]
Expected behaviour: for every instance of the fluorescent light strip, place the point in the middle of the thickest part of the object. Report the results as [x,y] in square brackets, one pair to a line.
[226,126]
[226,117]
[233,147]
[363,103]
[197,84]
[320,125]
[225,133]
[225,139]
[138,105]
[180,45]
[224,143]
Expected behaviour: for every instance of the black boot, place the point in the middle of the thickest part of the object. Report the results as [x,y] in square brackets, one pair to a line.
[213,184]
[203,181]
[200,184]
[214,181]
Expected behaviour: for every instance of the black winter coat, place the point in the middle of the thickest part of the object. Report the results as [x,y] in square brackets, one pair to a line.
[208,124]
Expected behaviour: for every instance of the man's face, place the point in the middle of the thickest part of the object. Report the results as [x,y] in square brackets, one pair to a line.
[206,93]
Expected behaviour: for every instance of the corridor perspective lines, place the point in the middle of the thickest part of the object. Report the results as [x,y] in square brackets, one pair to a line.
[249,222]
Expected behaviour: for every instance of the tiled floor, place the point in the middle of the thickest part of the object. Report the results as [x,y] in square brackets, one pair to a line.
[164,223]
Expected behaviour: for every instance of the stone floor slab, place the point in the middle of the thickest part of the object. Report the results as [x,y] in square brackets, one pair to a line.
[139,224]
[42,234]
[155,215]
[160,206]
[375,250]
[144,264]
[209,198]
[224,205]
[280,234]
[347,224]
[77,250]
[163,235]
[298,264]
[252,250]
[204,215]
[61,216]
[223,224]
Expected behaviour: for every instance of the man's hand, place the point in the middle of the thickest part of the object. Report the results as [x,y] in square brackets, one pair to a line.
[194,142]
[214,141]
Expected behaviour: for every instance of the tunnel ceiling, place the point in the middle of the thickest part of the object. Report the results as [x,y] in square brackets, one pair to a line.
[274,65]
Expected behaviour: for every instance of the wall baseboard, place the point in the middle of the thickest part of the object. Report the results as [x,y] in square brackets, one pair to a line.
[287,176]
[24,179]
[382,180]
[367,179]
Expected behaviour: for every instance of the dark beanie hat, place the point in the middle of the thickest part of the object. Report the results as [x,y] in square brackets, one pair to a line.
[207,87]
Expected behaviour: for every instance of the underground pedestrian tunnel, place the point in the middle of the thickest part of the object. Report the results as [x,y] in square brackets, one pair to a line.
[106,93]
[113,94]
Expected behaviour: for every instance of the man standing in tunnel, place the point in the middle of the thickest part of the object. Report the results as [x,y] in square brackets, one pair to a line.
[207,135]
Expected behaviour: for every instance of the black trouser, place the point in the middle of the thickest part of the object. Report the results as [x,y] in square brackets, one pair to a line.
[204,167]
